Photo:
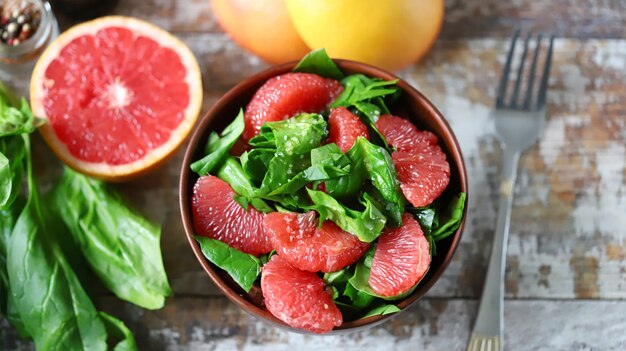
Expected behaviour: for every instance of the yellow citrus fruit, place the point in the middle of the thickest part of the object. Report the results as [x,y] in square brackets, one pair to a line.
[262,27]
[119,95]
[390,34]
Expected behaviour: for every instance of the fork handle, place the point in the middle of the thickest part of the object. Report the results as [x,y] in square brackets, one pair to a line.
[490,312]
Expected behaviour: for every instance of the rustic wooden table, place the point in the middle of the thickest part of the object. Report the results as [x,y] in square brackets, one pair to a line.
[566,265]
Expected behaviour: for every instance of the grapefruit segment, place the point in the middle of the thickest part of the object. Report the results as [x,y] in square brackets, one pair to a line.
[403,135]
[287,95]
[217,215]
[298,298]
[298,240]
[120,95]
[401,259]
[423,176]
[345,128]
[421,165]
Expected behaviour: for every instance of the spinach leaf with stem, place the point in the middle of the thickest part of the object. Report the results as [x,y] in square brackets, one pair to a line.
[318,62]
[119,244]
[7,302]
[242,267]
[219,146]
[54,307]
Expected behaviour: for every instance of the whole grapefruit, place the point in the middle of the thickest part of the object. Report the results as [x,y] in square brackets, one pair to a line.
[390,34]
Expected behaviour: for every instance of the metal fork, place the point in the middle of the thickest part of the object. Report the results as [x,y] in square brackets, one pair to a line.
[519,121]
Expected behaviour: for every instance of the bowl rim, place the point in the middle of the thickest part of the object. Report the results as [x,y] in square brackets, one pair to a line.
[201,132]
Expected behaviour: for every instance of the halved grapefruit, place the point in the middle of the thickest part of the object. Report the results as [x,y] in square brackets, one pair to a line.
[119,94]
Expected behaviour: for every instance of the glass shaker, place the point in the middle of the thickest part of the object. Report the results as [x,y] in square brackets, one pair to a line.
[26,28]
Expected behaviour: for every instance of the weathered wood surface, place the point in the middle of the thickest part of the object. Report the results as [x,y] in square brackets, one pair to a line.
[568,230]
[203,324]
[464,18]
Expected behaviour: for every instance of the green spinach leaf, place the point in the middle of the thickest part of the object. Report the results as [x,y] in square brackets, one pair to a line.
[381,171]
[358,299]
[11,169]
[119,334]
[7,306]
[50,300]
[318,62]
[382,310]
[427,217]
[366,225]
[294,138]
[218,147]
[232,173]
[256,163]
[242,267]
[119,244]
[450,218]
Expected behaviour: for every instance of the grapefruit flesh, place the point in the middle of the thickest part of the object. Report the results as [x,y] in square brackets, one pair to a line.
[403,135]
[421,165]
[298,240]
[345,128]
[218,216]
[287,95]
[298,298]
[119,94]
[423,176]
[401,259]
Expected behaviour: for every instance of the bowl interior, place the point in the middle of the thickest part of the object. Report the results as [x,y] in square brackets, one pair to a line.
[411,105]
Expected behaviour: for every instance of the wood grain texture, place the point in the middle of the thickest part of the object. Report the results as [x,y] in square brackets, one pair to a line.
[568,236]
[568,229]
[464,18]
[190,324]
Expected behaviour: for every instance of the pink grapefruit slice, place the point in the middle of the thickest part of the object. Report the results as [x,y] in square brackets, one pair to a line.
[119,94]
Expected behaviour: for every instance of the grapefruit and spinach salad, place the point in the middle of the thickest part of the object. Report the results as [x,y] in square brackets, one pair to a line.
[319,193]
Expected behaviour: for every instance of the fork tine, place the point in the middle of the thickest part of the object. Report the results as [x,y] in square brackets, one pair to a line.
[543,87]
[520,72]
[505,72]
[531,79]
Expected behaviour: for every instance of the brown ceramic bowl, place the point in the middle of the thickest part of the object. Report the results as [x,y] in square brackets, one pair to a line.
[412,105]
